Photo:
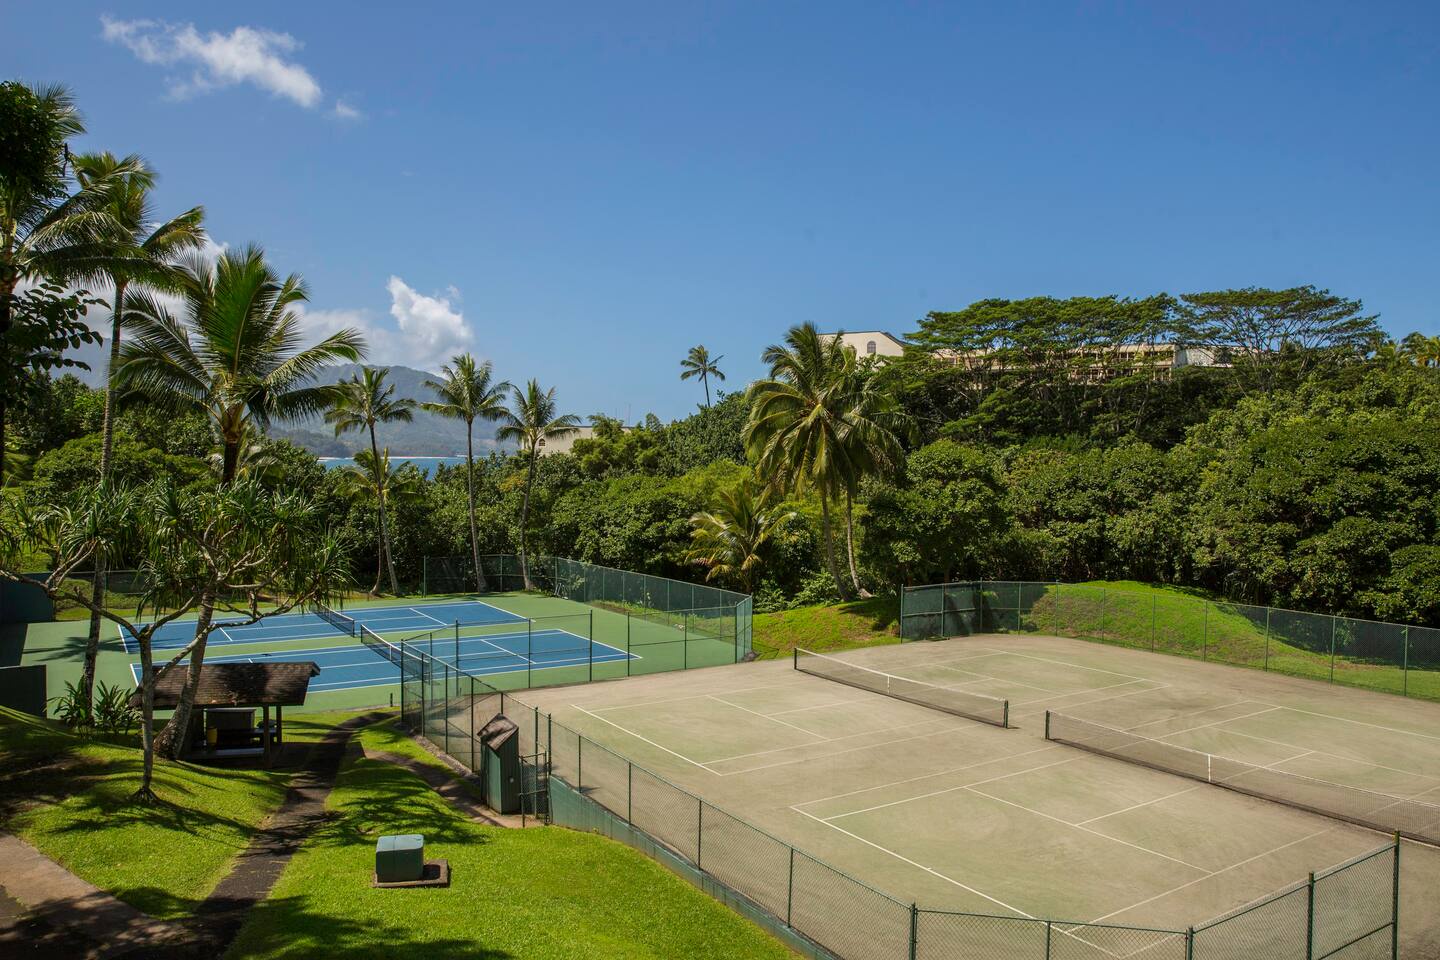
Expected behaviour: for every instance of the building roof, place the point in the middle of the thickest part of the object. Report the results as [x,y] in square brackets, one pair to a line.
[867,333]
[282,684]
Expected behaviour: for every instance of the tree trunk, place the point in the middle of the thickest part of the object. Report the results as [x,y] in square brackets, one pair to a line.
[480,585]
[706,380]
[525,521]
[171,741]
[147,715]
[8,279]
[827,536]
[850,547]
[107,445]
[384,518]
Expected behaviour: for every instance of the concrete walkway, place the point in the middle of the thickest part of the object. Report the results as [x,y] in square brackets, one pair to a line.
[62,915]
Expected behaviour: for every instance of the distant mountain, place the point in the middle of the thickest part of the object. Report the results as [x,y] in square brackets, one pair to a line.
[428,436]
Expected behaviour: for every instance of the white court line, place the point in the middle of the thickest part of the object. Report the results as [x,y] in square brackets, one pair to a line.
[982,676]
[1215,873]
[1097,833]
[1337,756]
[637,736]
[1075,693]
[1030,656]
[928,776]
[963,786]
[818,706]
[1362,723]
[1137,806]
[427,616]
[693,696]
[848,736]
[930,870]
[766,716]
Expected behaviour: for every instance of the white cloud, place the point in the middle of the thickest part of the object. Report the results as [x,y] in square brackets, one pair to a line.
[426,331]
[252,55]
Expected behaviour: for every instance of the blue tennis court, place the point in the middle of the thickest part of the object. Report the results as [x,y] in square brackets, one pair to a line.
[411,618]
[353,665]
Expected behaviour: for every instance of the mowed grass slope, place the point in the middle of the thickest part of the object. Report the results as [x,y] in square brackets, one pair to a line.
[836,626]
[1180,621]
[72,798]
[527,894]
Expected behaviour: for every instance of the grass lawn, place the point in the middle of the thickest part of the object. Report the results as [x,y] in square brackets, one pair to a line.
[538,893]
[1181,621]
[70,797]
[836,626]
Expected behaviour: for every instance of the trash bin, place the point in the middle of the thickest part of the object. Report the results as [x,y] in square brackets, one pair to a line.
[500,741]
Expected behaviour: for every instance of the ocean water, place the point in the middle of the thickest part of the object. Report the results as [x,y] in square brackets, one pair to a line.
[426,465]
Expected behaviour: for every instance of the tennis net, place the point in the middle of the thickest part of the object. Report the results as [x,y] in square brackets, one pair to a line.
[973,706]
[380,645]
[1414,819]
[336,619]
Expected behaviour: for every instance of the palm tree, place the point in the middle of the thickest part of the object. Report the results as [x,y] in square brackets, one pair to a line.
[467,393]
[47,231]
[359,404]
[144,254]
[818,423]
[236,353]
[364,483]
[730,539]
[531,421]
[698,364]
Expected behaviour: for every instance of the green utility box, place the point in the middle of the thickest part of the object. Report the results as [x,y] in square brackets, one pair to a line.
[501,742]
[400,858]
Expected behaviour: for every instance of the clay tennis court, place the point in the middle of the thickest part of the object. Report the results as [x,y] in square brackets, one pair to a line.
[957,814]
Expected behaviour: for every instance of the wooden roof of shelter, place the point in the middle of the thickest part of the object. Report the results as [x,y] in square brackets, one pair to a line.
[282,684]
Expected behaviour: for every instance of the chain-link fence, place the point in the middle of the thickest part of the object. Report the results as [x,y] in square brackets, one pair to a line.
[1393,657]
[1349,912]
[701,611]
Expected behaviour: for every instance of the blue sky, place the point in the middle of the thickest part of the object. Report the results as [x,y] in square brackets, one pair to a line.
[581,192]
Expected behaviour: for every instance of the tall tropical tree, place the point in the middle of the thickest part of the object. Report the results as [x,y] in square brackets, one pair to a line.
[237,352]
[51,228]
[820,424]
[141,253]
[698,363]
[359,404]
[531,421]
[731,538]
[468,393]
[372,478]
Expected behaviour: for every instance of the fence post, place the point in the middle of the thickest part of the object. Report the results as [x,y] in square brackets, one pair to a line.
[1047,940]
[529,651]
[914,931]
[1310,918]
[699,828]
[457,644]
[445,717]
[790,892]
[1190,944]
[1101,634]
[1395,904]
[685,643]
[1267,638]
[1057,606]
[1405,665]
[1334,623]
[1205,633]
[629,792]
[591,642]
[627,644]
[1154,602]
[579,763]
[425,575]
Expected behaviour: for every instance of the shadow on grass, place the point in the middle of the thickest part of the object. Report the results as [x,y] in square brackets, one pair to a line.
[287,926]
[380,798]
